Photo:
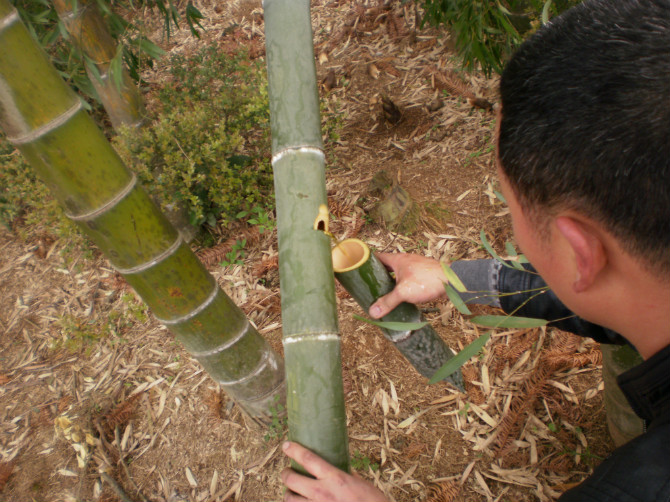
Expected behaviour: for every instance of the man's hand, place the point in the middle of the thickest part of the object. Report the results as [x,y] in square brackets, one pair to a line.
[330,485]
[418,280]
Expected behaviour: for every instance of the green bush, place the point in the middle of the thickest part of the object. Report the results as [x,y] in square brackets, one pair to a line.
[208,149]
[23,197]
[487,32]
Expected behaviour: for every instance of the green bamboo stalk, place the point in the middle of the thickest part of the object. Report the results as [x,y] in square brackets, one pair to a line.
[315,401]
[44,119]
[366,279]
[121,99]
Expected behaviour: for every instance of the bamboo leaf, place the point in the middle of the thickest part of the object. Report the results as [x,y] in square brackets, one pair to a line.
[509,247]
[455,363]
[504,321]
[488,247]
[393,326]
[456,299]
[517,265]
[150,49]
[492,251]
[453,278]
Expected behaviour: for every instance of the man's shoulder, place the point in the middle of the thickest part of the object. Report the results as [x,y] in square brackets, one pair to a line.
[638,471]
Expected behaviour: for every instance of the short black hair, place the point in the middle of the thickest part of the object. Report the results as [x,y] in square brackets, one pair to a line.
[586,121]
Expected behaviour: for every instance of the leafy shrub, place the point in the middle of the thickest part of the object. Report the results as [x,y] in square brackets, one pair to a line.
[23,197]
[487,32]
[208,149]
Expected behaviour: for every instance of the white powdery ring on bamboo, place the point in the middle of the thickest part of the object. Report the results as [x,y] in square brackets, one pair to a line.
[48,127]
[193,312]
[311,337]
[297,149]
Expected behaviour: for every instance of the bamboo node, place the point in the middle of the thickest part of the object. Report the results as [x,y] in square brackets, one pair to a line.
[49,126]
[9,20]
[297,149]
[257,371]
[316,337]
[122,194]
[224,345]
[194,312]
[162,256]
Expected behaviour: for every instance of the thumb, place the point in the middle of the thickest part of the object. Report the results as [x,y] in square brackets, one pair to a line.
[385,304]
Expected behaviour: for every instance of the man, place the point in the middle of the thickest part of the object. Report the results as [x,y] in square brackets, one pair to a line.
[584,164]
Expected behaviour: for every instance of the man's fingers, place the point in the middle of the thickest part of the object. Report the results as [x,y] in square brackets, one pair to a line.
[389,259]
[386,304]
[312,463]
[298,487]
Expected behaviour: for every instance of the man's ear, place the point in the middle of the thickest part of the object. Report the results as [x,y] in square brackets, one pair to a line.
[588,249]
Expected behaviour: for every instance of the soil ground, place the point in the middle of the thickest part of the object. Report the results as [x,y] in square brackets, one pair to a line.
[97,400]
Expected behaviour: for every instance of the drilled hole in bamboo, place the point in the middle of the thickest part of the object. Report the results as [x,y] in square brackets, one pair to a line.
[349,254]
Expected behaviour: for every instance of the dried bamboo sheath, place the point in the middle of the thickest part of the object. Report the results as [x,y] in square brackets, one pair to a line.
[365,278]
[315,401]
[44,119]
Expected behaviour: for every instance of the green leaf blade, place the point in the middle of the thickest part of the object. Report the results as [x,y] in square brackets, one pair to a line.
[455,363]
[453,278]
[456,300]
[503,321]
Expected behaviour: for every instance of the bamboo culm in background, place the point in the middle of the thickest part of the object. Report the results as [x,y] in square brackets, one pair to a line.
[45,120]
[315,401]
[118,93]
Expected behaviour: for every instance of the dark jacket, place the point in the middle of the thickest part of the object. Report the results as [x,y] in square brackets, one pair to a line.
[638,471]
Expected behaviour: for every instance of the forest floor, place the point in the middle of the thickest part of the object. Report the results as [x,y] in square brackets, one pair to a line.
[91,382]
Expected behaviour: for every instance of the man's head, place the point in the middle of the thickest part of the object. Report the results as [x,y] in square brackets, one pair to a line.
[586,123]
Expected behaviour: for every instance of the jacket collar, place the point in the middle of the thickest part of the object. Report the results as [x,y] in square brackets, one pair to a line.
[647,388]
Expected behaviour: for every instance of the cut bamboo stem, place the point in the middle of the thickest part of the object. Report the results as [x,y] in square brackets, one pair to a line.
[366,279]
[83,21]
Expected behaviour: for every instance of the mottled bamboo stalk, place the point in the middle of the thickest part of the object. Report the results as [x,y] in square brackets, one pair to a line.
[366,279]
[83,21]
[315,400]
[44,119]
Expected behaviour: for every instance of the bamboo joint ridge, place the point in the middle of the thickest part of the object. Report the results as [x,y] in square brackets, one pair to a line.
[110,204]
[193,312]
[297,149]
[164,255]
[265,360]
[311,337]
[48,127]
[9,20]
[225,345]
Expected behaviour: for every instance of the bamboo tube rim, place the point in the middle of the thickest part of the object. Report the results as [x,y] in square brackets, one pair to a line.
[349,254]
